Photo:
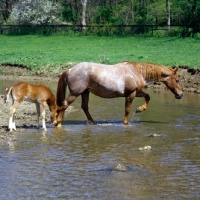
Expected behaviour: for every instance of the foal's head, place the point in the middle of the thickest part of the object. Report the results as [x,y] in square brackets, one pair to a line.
[54,115]
[171,80]
[59,116]
[54,109]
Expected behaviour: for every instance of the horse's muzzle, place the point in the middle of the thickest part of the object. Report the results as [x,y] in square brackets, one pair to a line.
[55,123]
[178,96]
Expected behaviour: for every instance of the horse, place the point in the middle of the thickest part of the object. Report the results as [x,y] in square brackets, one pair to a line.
[38,94]
[124,79]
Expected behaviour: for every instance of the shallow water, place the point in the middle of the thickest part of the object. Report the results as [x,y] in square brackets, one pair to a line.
[77,161]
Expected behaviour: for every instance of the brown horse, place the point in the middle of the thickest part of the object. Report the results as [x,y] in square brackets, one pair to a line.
[38,94]
[125,79]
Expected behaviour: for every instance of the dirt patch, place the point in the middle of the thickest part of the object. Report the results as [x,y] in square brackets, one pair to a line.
[26,113]
[189,79]
[10,71]
[26,117]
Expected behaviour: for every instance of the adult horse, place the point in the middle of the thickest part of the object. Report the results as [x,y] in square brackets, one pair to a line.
[125,79]
[38,94]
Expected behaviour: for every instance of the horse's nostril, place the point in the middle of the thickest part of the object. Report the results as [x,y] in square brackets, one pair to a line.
[178,96]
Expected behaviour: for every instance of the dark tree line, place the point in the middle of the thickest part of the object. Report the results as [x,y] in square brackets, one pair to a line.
[112,12]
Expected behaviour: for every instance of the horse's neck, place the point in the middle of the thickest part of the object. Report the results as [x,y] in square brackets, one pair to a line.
[151,74]
[52,103]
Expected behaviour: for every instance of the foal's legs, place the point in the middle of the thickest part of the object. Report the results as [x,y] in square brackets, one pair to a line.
[43,104]
[84,106]
[11,125]
[147,98]
[128,104]
[38,114]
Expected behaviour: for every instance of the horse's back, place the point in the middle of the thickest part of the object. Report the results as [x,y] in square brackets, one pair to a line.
[107,81]
[23,90]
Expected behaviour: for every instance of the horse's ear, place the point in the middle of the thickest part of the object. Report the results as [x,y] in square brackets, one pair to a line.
[175,70]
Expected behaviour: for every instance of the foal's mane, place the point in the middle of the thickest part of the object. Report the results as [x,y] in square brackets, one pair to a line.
[149,70]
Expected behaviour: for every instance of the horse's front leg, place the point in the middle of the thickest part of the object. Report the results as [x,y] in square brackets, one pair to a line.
[43,104]
[70,99]
[84,106]
[146,97]
[12,125]
[128,104]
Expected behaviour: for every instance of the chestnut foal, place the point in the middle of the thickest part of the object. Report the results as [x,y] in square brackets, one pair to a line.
[38,94]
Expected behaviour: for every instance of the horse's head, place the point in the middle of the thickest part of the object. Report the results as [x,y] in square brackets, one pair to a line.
[53,116]
[59,116]
[171,80]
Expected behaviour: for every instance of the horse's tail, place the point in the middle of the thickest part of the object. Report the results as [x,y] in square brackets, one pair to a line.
[61,89]
[6,96]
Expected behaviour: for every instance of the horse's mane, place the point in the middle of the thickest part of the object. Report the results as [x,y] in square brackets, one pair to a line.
[149,70]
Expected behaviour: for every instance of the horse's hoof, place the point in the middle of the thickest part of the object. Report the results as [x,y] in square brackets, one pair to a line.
[138,110]
[59,125]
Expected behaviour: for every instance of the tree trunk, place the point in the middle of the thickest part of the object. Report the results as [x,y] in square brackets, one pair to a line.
[132,12]
[6,7]
[83,21]
[168,14]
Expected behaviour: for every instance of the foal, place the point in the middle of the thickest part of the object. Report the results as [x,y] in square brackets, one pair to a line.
[38,94]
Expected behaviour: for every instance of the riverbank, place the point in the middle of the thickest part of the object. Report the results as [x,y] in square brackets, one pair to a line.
[189,77]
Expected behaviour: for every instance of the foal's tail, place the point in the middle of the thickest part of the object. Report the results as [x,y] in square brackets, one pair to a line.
[61,89]
[6,96]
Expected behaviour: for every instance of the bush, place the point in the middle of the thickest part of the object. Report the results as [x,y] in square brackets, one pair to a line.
[35,12]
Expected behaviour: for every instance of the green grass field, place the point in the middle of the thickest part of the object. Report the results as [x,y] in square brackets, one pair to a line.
[41,51]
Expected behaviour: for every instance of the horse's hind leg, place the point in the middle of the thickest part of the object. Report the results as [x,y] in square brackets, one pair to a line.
[84,106]
[128,105]
[147,98]
[43,104]
[37,105]
[12,125]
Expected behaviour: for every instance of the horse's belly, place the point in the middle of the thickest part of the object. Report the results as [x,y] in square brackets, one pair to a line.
[107,93]
[30,100]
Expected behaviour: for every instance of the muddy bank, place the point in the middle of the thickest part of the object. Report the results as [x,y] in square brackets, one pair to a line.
[26,117]
[189,77]
[26,113]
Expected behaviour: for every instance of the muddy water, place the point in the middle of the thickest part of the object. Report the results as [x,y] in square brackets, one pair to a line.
[78,160]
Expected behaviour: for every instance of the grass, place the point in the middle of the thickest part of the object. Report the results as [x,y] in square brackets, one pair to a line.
[42,51]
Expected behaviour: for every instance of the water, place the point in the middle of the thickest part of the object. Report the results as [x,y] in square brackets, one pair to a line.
[77,161]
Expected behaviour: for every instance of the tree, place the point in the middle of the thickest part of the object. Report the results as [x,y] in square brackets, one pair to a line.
[83,20]
[6,8]
[194,16]
[168,14]
[35,12]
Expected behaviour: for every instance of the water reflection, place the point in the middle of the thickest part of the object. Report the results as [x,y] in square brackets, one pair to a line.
[76,161]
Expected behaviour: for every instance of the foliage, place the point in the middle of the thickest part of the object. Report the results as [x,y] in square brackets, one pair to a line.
[69,14]
[104,12]
[35,12]
[104,16]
